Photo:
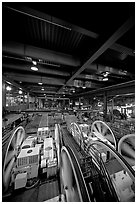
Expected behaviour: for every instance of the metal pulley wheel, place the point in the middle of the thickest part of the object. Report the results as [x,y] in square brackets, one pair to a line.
[126,147]
[58,143]
[72,178]
[103,132]
[77,133]
[10,154]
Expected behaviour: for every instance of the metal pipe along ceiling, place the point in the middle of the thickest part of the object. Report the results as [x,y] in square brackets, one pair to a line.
[40,53]
[42,69]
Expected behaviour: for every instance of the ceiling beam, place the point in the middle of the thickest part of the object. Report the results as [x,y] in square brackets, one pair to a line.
[56,21]
[55,98]
[119,33]
[42,69]
[43,92]
[37,87]
[7,79]
[118,89]
[99,68]
[34,79]
[120,48]
[26,50]
[52,20]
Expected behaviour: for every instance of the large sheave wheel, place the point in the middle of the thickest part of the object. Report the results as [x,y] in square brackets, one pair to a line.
[10,154]
[103,132]
[72,178]
[58,143]
[77,133]
[126,147]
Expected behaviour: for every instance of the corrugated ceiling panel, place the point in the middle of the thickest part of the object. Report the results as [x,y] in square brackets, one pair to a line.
[52,37]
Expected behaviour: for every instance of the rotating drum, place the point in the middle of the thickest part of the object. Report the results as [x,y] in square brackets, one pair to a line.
[10,153]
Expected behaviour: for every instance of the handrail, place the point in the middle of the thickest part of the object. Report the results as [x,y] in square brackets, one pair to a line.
[97,160]
[78,174]
[125,164]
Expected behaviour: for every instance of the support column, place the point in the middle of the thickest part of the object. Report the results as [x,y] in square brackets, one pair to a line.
[112,109]
[64,104]
[3,94]
[28,100]
[105,106]
[79,103]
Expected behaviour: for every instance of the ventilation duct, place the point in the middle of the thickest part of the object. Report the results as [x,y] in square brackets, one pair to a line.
[39,53]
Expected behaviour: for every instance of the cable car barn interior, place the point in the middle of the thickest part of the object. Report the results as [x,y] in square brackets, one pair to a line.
[68,101]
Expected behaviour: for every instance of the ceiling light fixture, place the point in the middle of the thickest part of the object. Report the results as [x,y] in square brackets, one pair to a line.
[84,87]
[34,68]
[29,58]
[20,92]
[105,79]
[8,88]
[40,83]
[9,82]
[34,62]
[105,74]
[42,89]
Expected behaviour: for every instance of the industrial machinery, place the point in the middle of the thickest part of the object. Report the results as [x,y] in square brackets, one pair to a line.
[73,181]
[91,165]
[25,158]
[99,141]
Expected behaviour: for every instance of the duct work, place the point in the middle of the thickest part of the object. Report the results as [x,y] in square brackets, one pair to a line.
[39,53]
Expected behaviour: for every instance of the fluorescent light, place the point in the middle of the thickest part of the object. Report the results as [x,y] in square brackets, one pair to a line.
[8,88]
[34,68]
[40,83]
[42,89]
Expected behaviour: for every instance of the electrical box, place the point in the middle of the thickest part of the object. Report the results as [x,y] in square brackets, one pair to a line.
[28,156]
[43,132]
[33,171]
[52,168]
[27,144]
[48,148]
[103,156]
[20,180]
